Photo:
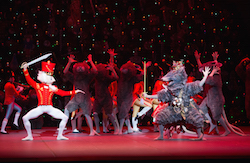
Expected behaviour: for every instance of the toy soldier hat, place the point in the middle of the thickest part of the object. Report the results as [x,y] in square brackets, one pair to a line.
[48,67]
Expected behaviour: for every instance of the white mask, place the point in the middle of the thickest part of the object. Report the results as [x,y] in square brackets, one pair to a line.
[45,78]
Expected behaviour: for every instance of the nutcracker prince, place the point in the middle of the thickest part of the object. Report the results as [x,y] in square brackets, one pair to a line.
[45,91]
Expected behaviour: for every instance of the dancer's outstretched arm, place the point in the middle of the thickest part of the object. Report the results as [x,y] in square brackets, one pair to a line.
[111,67]
[197,57]
[154,96]
[150,96]
[215,71]
[29,80]
[71,60]
[112,54]
[205,73]
[215,55]
[91,62]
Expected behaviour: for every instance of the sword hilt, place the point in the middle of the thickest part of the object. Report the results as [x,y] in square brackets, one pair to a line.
[22,65]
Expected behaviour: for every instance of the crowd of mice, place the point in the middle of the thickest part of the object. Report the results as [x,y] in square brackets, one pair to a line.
[117,90]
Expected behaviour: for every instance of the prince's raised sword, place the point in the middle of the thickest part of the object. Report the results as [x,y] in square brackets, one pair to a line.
[37,60]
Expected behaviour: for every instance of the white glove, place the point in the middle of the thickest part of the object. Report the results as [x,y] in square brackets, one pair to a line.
[79,91]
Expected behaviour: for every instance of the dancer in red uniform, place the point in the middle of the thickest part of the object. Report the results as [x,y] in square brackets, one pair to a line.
[9,100]
[139,101]
[45,91]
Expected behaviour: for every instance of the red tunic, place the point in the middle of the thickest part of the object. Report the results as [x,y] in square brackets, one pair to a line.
[44,93]
[157,87]
[10,93]
[138,89]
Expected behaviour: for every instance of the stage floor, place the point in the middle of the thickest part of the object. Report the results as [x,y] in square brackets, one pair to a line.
[135,146]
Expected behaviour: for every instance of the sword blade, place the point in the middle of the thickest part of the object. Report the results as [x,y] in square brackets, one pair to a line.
[37,59]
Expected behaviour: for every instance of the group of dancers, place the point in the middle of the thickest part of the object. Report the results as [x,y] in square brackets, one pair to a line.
[119,90]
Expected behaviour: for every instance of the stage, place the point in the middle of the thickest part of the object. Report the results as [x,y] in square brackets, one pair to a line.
[109,147]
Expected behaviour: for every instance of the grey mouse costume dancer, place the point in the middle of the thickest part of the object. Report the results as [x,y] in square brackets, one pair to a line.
[129,75]
[214,100]
[178,94]
[81,78]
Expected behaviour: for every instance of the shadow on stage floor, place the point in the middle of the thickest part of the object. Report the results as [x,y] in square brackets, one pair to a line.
[127,147]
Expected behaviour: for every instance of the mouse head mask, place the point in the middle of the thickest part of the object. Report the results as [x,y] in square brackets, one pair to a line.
[177,77]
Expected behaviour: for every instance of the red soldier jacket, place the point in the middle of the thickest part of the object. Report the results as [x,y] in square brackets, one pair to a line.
[44,93]
[10,93]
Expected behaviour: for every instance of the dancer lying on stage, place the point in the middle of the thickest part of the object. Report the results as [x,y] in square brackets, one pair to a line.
[9,100]
[178,94]
[45,91]
[214,99]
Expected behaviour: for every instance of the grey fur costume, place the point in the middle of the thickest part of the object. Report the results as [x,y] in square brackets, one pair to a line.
[103,97]
[214,98]
[81,80]
[129,75]
[178,95]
